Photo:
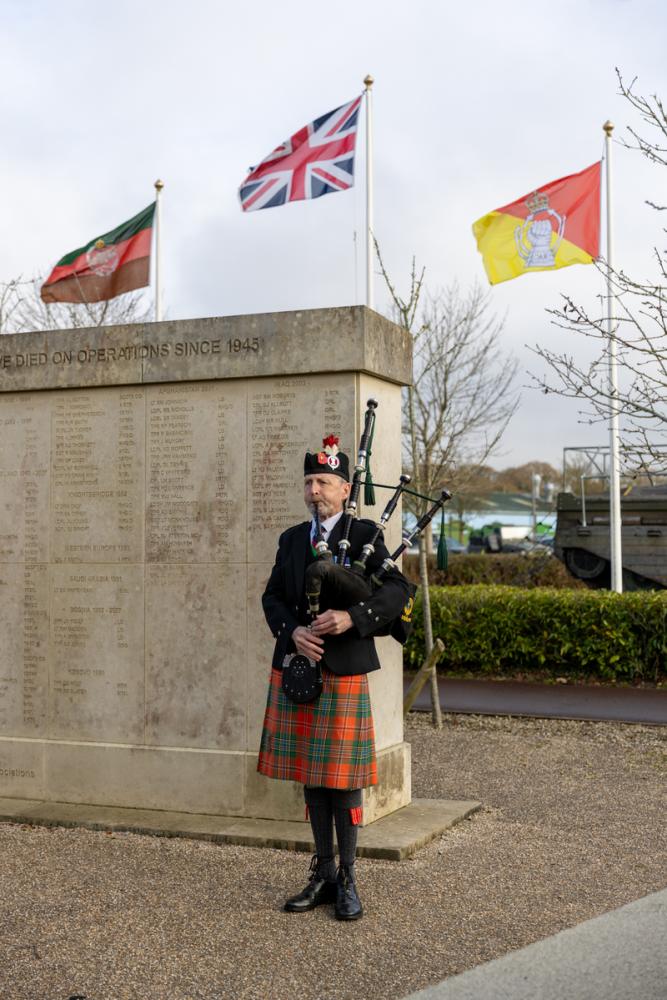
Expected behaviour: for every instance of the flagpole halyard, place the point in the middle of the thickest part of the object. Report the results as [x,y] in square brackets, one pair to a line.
[158,248]
[614,459]
[368,83]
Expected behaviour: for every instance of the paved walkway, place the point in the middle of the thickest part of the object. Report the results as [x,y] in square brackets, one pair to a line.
[549,701]
[621,955]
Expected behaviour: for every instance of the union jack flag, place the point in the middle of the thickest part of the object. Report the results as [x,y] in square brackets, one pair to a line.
[316,160]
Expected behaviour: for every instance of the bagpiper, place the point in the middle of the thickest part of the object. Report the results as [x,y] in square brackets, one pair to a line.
[327,744]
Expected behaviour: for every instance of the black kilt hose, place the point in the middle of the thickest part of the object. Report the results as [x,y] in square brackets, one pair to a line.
[329,742]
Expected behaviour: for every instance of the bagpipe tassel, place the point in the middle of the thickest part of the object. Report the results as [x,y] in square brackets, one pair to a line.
[442,543]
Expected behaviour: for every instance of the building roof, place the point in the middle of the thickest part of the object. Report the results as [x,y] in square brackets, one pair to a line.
[498,503]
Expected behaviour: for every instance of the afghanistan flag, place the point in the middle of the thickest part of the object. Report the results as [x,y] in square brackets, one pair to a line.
[109,265]
[555,226]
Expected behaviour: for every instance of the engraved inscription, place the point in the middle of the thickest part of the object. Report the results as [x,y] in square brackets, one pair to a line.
[24,602]
[24,550]
[129,517]
[284,421]
[195,665]
[35,647]
[85,356]
[196,503]
[24,478]
[277,440]
[333,413]
[98,460]
[96,652]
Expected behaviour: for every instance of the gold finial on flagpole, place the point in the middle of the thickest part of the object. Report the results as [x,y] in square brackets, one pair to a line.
[368,81]
[158,250]
[608,127]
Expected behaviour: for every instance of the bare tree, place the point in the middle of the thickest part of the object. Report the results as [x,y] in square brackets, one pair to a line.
[22,309]
[641,338]
[10,300]
[518,478]
[459,403]
[405,313]
[463,388]
[651,111]
[640,333]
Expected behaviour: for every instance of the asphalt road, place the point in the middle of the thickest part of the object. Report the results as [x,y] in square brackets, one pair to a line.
[548,701]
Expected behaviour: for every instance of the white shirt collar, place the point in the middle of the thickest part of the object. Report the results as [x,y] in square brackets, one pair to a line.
[328,525]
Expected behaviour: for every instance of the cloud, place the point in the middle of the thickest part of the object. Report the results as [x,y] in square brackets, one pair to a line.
[474,104]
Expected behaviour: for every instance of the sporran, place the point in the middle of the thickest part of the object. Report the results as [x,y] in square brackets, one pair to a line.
[301,678]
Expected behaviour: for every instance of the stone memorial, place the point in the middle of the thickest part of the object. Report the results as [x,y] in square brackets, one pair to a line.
[146,472]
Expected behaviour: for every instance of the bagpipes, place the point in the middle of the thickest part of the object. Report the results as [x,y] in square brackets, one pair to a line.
[337,585]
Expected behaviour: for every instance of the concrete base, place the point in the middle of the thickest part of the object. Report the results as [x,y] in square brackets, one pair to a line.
[394,837]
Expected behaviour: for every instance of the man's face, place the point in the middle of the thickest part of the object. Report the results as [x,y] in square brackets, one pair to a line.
[325,493]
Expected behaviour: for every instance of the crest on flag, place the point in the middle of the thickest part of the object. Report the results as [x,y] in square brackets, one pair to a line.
[102,259]
[316,160]
[533,238]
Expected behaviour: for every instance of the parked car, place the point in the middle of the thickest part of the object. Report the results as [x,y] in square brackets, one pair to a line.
[508,539]
[454,546]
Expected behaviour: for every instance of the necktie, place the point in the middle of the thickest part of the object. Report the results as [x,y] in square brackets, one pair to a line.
[315,537]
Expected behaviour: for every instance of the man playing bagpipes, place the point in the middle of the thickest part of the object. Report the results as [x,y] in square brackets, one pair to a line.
[328,743]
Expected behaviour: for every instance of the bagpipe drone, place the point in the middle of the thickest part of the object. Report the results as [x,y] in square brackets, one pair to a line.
[330,583]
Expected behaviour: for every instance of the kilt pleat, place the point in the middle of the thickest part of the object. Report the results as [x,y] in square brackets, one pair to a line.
[330,742]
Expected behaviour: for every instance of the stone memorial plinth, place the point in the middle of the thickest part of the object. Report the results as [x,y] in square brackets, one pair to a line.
[146,472]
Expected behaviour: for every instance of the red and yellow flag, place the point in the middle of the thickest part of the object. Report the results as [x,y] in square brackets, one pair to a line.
[554,226]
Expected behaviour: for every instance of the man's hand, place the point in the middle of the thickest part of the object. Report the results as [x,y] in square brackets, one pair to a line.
[307,643]
[331,623]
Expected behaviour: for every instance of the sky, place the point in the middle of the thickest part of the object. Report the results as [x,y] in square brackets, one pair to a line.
[474,105]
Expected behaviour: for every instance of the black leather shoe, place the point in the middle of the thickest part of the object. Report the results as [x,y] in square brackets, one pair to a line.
[348,904]
[318,891]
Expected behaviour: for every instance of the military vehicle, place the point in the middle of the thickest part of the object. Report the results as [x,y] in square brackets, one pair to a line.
[582,537]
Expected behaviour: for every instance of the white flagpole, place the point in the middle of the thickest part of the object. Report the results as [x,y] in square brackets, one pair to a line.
[614,459]
[158,252]
[368,83]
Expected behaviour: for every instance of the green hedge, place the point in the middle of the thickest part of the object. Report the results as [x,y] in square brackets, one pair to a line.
[505,630]
[535,570]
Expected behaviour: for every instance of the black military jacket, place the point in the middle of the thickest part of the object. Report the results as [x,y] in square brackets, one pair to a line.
[285,605]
